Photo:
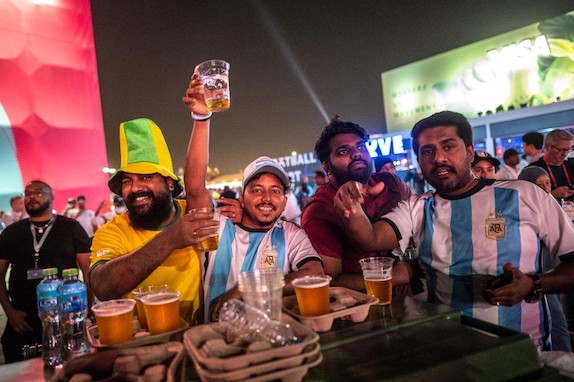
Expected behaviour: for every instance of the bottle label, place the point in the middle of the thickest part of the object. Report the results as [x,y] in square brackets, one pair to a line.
[73,302]
[47,302]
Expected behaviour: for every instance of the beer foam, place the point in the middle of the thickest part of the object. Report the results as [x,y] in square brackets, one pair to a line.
[112,309]
[378,277]
[160,298]
[311,282]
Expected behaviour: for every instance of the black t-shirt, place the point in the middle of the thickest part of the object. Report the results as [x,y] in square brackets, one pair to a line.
[557,173]
[65,239]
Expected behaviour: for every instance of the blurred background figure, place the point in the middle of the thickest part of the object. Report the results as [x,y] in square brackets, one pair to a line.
[484,165]
[384,164]
[511,167]
[560,168]
[416,181]
[304,192]
[17,213]
[319,178]
[228,193]
[118,207]
[70,208]
[292,211]
[538,176]
[84,216]
[532,143]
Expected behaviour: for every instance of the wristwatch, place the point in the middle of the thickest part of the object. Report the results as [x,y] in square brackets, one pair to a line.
[536,293]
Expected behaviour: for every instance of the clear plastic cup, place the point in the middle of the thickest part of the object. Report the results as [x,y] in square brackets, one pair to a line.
[212,242]
[162,311]
[141,292]
[215,76]
[263,289]
[378,276]
[115,320]
[312,295]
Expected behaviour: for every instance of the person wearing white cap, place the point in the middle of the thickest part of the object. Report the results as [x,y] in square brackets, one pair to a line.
[260,239]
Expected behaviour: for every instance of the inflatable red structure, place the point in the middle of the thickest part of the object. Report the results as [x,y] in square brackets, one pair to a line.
[51,124]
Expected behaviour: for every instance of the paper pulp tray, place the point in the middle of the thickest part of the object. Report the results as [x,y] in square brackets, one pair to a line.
[100,365]
[339,297]
[195,337]
[262,370]
[174,335]
[295,374]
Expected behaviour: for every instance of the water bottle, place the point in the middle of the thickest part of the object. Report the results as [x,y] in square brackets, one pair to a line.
[47,296]
[73,303]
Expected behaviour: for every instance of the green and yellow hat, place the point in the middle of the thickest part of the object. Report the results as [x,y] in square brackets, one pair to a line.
[143,151]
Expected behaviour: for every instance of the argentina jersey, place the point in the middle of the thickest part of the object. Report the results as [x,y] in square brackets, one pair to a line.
[463,241]
[284,246]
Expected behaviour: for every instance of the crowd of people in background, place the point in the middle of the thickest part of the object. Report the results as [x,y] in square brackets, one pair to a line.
[150,228]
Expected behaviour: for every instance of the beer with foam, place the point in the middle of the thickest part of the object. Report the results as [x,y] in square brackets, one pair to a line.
[378,277]
[312,295]
[115,321]
[162,311]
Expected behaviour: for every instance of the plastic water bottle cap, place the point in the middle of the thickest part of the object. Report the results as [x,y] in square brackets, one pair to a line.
[49,271]
[70,272]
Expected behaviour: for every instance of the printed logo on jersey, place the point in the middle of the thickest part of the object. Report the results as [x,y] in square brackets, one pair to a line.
[269,258]
[495,226]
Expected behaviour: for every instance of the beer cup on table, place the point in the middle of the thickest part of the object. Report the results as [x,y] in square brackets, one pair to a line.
[212,242]
[144,291]
[215,76]
[378,276]
[312,295]
[115,321]
[162,311]
[263,289]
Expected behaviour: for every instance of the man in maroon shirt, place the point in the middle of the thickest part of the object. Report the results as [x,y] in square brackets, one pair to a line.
[342,151]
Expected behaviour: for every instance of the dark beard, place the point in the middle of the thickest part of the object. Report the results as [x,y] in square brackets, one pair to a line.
[442,189]
[39,211]
[344,176]
[160,210]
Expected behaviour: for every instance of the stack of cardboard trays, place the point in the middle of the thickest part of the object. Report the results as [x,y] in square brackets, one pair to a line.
[217,360]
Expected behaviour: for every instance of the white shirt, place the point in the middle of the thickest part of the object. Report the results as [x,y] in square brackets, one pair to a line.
[462,240]
[507,173]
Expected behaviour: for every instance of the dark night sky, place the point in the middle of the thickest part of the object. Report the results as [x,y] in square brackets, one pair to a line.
[147,49]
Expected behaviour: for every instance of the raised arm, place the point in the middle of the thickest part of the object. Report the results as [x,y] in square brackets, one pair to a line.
[198,148]
[379,236]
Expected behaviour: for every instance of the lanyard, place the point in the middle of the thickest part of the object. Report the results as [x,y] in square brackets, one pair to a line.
[552,174]
[38,245]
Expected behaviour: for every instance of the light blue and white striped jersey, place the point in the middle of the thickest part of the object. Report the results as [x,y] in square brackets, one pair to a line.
[462,239]
[285,246]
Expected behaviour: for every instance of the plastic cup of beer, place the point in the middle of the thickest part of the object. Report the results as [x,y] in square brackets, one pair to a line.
[162,311]
[378,276]
[144,291]
[263,289]
[212,242]
[215,76]
[312,295]
[115,320]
